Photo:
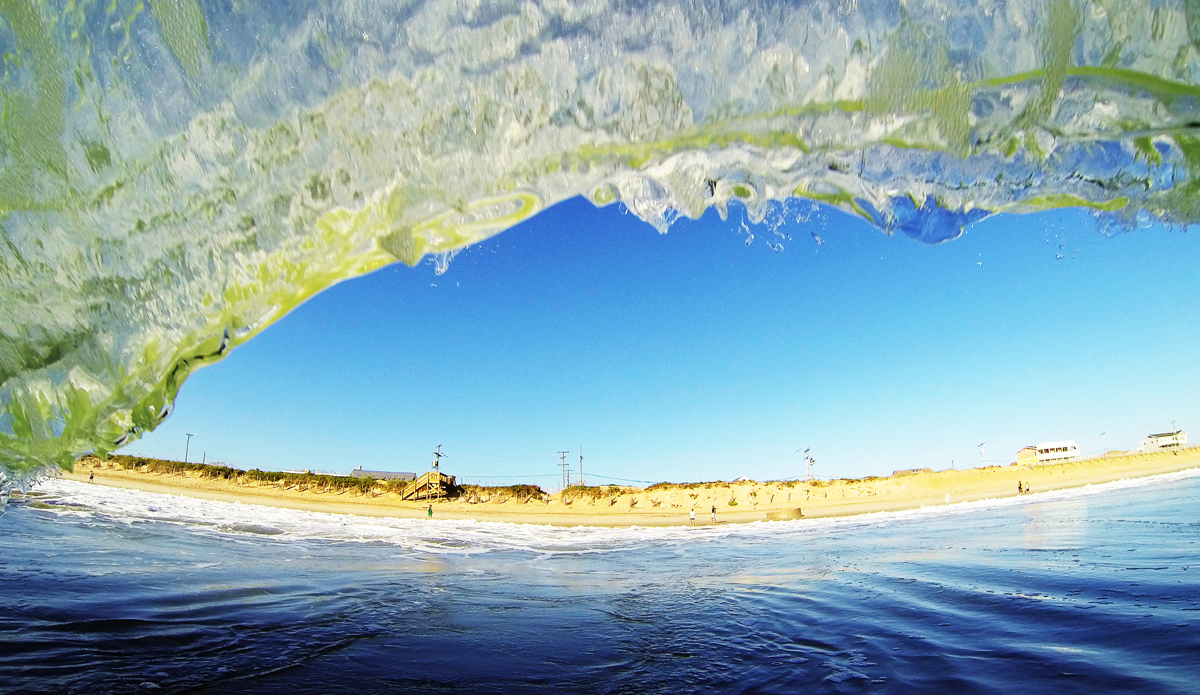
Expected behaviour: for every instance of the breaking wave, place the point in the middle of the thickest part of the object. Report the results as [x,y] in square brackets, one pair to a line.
[175,176]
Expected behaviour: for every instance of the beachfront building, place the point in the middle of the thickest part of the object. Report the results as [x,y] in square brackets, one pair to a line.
[1027,456]
[1057,452]
[382,475]
[1166,440]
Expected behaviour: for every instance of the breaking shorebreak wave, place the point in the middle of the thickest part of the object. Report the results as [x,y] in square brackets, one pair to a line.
[175,176]
[470,537]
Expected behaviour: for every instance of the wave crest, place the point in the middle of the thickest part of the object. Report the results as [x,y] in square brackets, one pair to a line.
[175,180]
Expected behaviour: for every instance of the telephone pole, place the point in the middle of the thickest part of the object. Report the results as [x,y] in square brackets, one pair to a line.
[581,465]
[437,461]
[187,446]
[562,457]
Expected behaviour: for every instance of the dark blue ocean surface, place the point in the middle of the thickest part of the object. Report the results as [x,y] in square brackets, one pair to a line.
[1085,591]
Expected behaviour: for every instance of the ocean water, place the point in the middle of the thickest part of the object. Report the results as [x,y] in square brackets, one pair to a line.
[1094,590]
[175,176]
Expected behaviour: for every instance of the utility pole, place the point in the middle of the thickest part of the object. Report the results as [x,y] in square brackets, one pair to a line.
[437,461]
[204,460]
[1103,443]
[187,446]
[581,465]
[983,452]
[809,462]
[562,457]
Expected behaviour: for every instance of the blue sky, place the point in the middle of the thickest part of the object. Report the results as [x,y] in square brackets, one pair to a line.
[696,356]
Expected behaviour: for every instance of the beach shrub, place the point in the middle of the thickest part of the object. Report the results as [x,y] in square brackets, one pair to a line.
[586,492]
[220,471]
[686,486]
[501,493]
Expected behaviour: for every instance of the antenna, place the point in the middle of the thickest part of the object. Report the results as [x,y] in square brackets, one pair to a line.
[581,465]
[187,446]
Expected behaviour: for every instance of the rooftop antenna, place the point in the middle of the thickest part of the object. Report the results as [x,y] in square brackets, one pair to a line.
[187,446]
[437,460]
[1173,428]
[562,457]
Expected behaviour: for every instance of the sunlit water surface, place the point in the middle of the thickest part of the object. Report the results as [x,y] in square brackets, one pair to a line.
[1085,591]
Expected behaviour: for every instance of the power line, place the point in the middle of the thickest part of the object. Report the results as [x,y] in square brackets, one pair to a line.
[505,456]
[506,477]
[627,480]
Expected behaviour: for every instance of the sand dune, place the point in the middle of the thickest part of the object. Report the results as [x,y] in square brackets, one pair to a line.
[667,505]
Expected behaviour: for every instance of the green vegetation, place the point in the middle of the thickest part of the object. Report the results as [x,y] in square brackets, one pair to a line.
[523,493]
[685,486]
[577,492]
[304,481]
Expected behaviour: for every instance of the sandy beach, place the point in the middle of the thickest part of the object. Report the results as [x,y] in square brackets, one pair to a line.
[735,502]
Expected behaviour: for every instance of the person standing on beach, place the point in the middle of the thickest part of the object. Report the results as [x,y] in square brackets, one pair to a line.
[92,477]
[430,513]
[714,515]
[1020,489]
[693,515]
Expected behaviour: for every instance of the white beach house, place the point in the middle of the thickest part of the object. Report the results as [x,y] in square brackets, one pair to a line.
[1054,452]
[1166,440]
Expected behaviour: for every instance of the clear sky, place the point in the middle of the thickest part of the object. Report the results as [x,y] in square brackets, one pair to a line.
[697,356]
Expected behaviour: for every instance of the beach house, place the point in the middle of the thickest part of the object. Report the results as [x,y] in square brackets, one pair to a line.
[1056,452]
[1166,440]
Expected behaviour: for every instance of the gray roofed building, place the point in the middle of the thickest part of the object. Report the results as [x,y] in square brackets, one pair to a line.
[382,475]
[1165,440]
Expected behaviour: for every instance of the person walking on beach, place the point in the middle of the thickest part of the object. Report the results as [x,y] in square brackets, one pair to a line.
[714,515]
[430,513]
[693,515]
[1020,489]
[92,477]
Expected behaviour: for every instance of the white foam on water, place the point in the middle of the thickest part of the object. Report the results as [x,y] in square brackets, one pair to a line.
[453,536]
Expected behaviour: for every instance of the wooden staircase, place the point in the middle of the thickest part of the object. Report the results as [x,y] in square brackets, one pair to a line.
[431,485]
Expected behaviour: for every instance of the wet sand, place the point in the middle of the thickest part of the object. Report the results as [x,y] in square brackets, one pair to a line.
[736,502]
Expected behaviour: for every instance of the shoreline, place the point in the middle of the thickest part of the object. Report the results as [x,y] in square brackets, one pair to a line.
[736,502]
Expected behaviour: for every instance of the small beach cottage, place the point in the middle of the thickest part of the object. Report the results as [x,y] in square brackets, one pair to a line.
[1166,440]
